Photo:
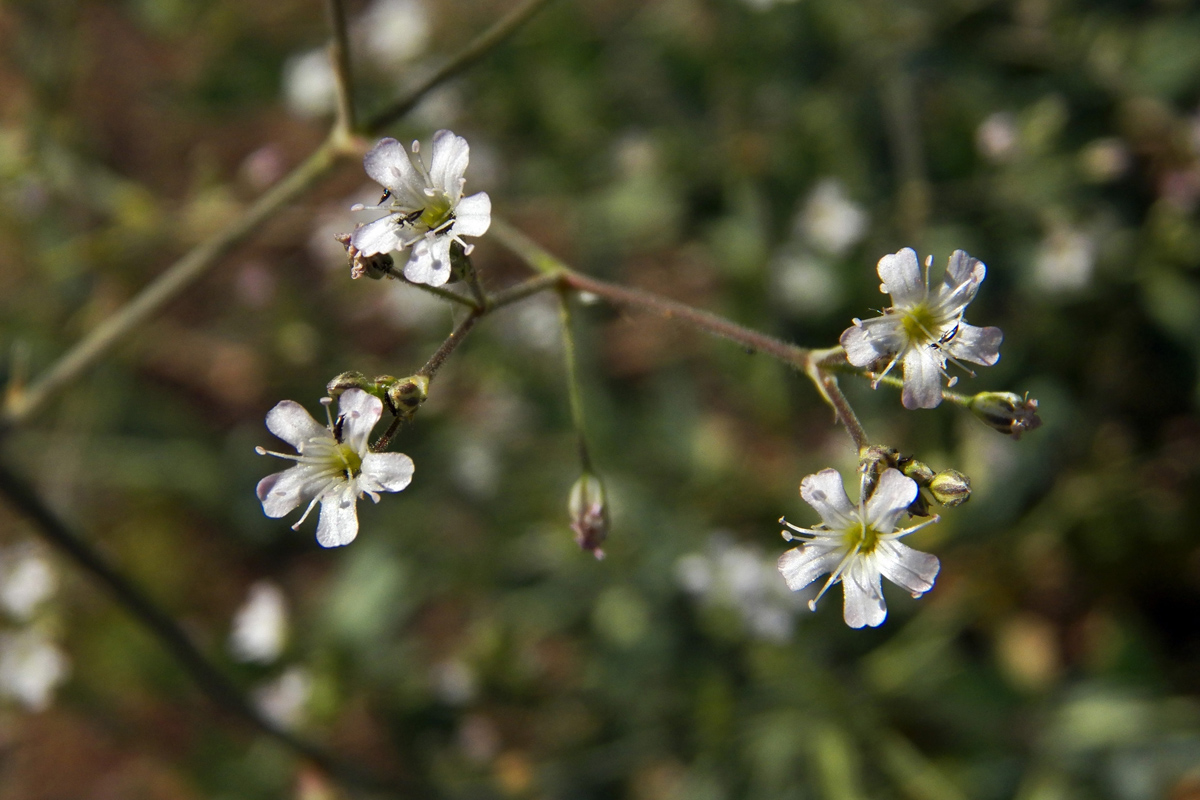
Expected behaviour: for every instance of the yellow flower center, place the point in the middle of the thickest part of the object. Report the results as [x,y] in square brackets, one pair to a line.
[351,461]
[863,537]
[918,323]
[437,211]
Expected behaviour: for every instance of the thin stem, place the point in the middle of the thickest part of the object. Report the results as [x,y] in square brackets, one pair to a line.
[447,347]
[710,323]
[841,365]
[471,278]
[169,285]
[526,249]
[438,291]
[210,680]
[339,54]
[383,441]
[483,44]
[904,132]
[518,292]
[573,391]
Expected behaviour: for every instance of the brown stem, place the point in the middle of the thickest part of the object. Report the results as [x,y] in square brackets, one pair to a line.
[447,347]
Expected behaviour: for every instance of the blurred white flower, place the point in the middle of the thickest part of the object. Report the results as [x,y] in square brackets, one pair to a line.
[284,699]
[923,329]
[1064,260]
[996,137]
[427,210]
[334,465]
[26,580]
[743,578]
[804,283]
[857,546]
[831,221]
[454,682]
[393,32]
[309,86]
[260,625]
[31,667]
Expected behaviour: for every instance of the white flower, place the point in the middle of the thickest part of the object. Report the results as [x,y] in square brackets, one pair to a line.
[831,221]
[27,579]
[334,465]
[924,328]
[260,625]
[31,666]
[284,699]
[858,546]
[427,210]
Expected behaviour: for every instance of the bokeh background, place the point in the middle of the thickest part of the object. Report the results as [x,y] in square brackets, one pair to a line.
[754,158]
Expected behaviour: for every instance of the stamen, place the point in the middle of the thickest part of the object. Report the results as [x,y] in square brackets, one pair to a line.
[834,577]
[358,207]
[882,375]
[913,529]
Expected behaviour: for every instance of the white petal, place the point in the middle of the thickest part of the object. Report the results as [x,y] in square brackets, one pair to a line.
[825,492]
[977,345]
[801,566]
[450,156]
[963,268]
[387,163]
[283,491]
[922,378]
[360,411]
[862,597]
[386,472]
[909,569]
[901,276]
[339,518]
[291,422]
[865,344]
[473,216]
[429,262]
[891,497]
[381,236]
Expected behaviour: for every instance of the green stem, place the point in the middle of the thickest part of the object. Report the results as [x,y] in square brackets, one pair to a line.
[339,54]
[526,288]
[573,390]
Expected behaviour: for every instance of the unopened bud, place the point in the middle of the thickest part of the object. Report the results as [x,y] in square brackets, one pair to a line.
[588,510]
[405,396]
[1008,413]
[950,488]
[919,471]
[347,380]
[873,460]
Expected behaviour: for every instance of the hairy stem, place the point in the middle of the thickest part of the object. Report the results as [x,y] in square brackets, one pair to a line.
[447,347]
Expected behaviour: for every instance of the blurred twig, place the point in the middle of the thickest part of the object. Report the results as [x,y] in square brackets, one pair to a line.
[159,624]
[339,54]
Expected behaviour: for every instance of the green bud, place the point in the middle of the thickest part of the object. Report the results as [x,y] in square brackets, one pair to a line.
[873,460]
[950,488]
[919,471]
[405,396]
[588,510]
[1009,413]
[347,380]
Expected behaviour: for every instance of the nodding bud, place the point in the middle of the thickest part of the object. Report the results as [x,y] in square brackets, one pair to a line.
[588,509]
[405,396]
[374,266]
[950,488]
[347,380]
[1008,413]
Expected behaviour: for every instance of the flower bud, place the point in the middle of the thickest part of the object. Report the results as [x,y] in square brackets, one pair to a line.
[950,488]
[588,510]
[919,471]
[405,396]
[347,380]
[873,460]
[1008,413]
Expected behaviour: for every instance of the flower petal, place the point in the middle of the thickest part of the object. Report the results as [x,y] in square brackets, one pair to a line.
[909,569]
[824,492]
[977,345]
[387,163]
[963,268]
[291,422]
[801,566]
[891,497]
[862,595]
[338,524]
[381,236]
[872,339]
[359,412]
[922,378]
[473,216]
[450,156]
[281,492]
[429,262]
[901,276]
[386,472]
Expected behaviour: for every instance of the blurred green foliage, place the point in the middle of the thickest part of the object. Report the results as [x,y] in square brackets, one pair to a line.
[463,640]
